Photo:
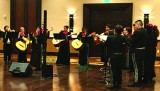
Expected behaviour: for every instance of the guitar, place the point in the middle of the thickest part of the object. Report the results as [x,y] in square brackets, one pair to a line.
[22,44]
[60,42]
[99,38]
[77,44]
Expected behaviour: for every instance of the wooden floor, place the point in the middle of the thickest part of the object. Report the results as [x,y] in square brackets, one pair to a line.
[69,78]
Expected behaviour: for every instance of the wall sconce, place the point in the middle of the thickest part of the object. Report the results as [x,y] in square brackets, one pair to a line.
[146,19]
[71,22]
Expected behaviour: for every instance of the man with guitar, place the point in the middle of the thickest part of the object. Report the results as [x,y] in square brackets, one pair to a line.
[22,55]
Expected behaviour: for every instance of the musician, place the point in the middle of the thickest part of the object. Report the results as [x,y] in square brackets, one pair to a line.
[127,64]
[138,42]
[116,45]
[149,71]
[107,32]
[22,55]
[83,53]
[43,36]
[104,48]
[35,61]
[7,45]
[63,57]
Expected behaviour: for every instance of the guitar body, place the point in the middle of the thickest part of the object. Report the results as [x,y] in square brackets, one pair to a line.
[22,44]
[58,42]
[97,40]
[77,44]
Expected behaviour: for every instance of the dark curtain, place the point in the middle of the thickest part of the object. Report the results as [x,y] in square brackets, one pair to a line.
[96,16]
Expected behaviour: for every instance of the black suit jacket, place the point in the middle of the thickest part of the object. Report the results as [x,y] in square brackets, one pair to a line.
[139,38]
[7,36]
[116,44]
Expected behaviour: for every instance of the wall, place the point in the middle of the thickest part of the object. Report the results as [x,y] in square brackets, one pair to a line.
[58,11]
[4,12]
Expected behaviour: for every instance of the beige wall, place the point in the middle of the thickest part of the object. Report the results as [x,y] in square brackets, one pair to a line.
[4,13]
[58,11]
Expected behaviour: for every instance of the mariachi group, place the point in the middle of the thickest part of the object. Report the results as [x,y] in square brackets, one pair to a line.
[135,50]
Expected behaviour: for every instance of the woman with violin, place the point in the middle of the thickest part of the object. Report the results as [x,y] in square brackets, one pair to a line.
[35,61]
[103,45]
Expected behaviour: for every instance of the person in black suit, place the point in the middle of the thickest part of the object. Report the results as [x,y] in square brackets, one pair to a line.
[139,43]
[116,45]
[83,53]
[7,44]
[149,71]
[63,57]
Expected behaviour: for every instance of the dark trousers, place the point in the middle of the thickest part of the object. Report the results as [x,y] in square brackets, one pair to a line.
[103,53]
[63,56]
[7,52]
[138,62]
[83,55]
[149,62]
[116,67]
[131,54]
[36,56]
[22,56]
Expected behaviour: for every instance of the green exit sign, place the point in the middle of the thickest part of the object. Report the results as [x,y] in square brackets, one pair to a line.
[106,1]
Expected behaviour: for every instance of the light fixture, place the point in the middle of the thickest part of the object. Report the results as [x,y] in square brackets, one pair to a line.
[146,19]
[71,22]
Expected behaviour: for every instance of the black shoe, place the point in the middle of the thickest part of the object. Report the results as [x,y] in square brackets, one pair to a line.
[147,81]
[134,84]
[110,86]
[118,86]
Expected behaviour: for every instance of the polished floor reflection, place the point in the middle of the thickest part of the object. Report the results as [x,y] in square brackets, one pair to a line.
[69,78]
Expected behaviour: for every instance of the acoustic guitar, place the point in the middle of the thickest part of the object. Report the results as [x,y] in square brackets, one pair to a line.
[60,42]
[77,44]
[22,43]
[99,38]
